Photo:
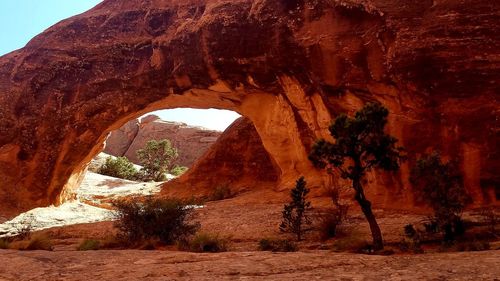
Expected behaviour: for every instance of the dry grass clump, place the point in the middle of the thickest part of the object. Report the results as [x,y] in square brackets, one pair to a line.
[89,245]
[35,242]
[205,242]
[277,245]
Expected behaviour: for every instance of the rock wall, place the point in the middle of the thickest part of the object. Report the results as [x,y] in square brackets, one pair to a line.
[237,160]
[191,142]
[287,65]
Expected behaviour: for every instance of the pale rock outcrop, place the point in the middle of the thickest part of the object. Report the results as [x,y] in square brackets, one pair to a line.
[190,141]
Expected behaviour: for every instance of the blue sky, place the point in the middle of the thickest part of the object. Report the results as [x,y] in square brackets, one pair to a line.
[21,20]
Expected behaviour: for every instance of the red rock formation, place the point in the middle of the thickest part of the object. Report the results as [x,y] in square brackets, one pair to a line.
[237,160]
[287,65]
[191,142]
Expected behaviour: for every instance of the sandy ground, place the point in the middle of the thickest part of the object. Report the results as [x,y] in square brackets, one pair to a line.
[243,221]
[317,265]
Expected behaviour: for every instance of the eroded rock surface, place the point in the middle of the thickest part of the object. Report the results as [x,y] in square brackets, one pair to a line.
[322,265]
[191,142]
[237,161]
[289,66]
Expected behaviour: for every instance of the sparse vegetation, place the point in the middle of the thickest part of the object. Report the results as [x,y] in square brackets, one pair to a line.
[156,159]
[220,192]
[330,221]
[351,243]
[89,245]
[36,242]
[206,242]
[440,186]
[119,167]
[360,145]
[277,245]
[178,170]
[412,241]
[295,214]
[167,220]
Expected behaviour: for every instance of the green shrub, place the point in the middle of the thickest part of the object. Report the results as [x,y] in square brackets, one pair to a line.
[440,186]
[119,167]
[156,159]
[295,213]
[167,220]
[221,192]
[277,245]
[178,170]
[89,244]
[411,241]
[206,242]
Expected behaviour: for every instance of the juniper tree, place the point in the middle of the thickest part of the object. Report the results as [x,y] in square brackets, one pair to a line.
[295,213]
[156,159]
[360,145]
[440,186]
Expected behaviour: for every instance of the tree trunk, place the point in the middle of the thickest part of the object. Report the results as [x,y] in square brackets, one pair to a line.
[366,207]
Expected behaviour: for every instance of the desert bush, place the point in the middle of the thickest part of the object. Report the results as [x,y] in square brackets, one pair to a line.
[206,242]
[167,220]
[220,192]
[412,240]
[89,244]
[156,159]
[440,186]
[178,170]
[39,242]
[351,244]
[277,245]
[330,221]
[119,167]
[295,214]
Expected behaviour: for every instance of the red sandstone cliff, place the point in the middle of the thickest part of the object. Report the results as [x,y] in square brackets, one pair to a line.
[191,142]
[237,160]
[287,65]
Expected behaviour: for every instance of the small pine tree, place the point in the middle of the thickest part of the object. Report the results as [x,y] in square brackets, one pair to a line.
[295,213]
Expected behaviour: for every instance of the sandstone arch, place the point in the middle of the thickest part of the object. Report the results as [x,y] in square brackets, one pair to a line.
[289,66]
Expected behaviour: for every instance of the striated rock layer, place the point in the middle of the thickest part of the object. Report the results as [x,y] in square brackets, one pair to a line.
[191,142]
[289,66]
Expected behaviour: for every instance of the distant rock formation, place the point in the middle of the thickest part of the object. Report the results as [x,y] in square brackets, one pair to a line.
[190,141]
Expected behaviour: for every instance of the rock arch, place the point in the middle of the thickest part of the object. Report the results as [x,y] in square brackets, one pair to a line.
[289,66]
